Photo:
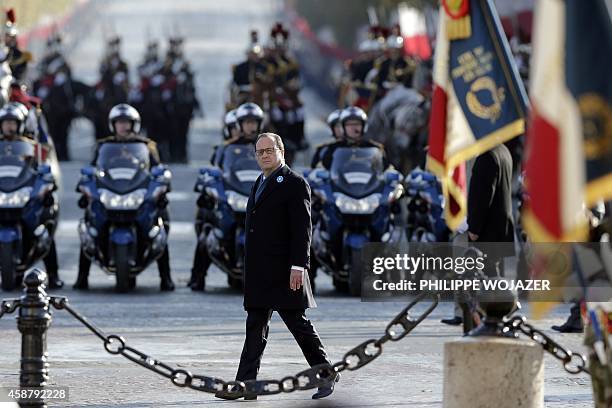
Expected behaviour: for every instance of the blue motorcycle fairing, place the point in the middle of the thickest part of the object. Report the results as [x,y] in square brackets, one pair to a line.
[122,236]
[355,241]
[10,234]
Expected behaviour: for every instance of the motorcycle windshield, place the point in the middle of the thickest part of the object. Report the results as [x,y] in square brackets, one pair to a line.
[124,166]
[240,168]
[356,171]
[17,159]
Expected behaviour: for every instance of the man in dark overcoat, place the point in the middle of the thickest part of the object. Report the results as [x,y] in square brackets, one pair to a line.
[489,205]
[278,232]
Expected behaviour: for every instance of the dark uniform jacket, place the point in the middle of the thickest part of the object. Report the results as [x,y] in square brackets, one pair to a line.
[18,62]
[278,233]
[219,150]
[490,197]
[151,145]
[319,153]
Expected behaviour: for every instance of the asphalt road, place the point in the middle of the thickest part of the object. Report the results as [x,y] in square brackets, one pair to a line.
[204,332]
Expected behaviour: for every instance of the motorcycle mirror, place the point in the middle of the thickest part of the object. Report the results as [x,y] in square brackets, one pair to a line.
[157,171]
[392,176]
[88,171]
[322,174]
[44,169]
[214,172]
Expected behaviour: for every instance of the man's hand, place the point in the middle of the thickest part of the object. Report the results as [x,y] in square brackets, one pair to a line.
[296,280]
[472,236]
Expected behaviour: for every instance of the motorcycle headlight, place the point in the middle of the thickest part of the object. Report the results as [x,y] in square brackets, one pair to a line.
[15,199]
[129,201]
[350,205]
[238,202]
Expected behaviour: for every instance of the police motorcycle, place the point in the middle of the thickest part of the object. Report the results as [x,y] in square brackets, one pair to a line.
[425,208]
[222,209]
[122,230]
[28,209]
[357,203]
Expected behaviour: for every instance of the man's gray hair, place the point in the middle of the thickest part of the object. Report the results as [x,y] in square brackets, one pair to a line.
[278,141]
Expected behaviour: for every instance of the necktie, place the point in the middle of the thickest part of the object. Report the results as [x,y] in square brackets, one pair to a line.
[260,188]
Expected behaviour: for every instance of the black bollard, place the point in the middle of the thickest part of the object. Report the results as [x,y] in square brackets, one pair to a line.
[495,304]
[33,321]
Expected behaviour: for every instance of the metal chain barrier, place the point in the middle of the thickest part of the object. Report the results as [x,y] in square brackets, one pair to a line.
[9,306]
[573,363]
[316,376]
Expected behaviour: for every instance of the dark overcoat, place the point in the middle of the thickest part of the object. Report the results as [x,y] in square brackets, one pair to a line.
[278,232]
[490,196]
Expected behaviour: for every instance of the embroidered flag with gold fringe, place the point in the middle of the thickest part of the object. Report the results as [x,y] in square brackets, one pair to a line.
[478,99]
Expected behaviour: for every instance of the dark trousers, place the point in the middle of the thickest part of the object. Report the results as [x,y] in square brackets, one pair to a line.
[257,328]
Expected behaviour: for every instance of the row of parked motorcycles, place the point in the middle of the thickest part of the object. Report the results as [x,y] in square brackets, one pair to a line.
[123,229]
[354,203]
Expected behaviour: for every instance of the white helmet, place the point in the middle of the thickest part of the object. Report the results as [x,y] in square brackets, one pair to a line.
[333,119]
[249,110]
[230,121]
[12,111]
[354,113]
[124,111]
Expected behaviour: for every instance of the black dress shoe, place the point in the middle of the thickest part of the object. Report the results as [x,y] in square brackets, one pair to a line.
[81,284]
[455,321]
[228,395]
[166,285]
[326,390]
[197,287]
[232,394]
[568,328]
[56,283]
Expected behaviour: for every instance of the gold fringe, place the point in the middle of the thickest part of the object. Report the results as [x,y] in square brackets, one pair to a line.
[458,29]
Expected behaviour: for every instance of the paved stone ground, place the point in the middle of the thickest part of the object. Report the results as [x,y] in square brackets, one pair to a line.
[204,332]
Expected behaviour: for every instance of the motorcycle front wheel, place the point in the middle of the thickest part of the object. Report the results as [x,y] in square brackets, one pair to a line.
[122,271]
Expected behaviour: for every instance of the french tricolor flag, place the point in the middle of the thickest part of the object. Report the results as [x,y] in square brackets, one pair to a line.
[569,143]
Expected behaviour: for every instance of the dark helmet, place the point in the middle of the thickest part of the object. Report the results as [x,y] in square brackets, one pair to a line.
[12,111]
[249,110]
[229,122]
[354,113]
[124,111]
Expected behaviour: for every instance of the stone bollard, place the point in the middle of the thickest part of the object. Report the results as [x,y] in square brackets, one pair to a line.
[486,372]
[491,367]
[33,321]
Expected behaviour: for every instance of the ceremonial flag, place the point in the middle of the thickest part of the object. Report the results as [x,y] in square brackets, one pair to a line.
[478,100]
[414,31]
[569,144]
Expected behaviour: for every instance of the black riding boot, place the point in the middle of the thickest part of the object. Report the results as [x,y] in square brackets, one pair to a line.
[52,267]
[201,262]
[82,282]
[163,264]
